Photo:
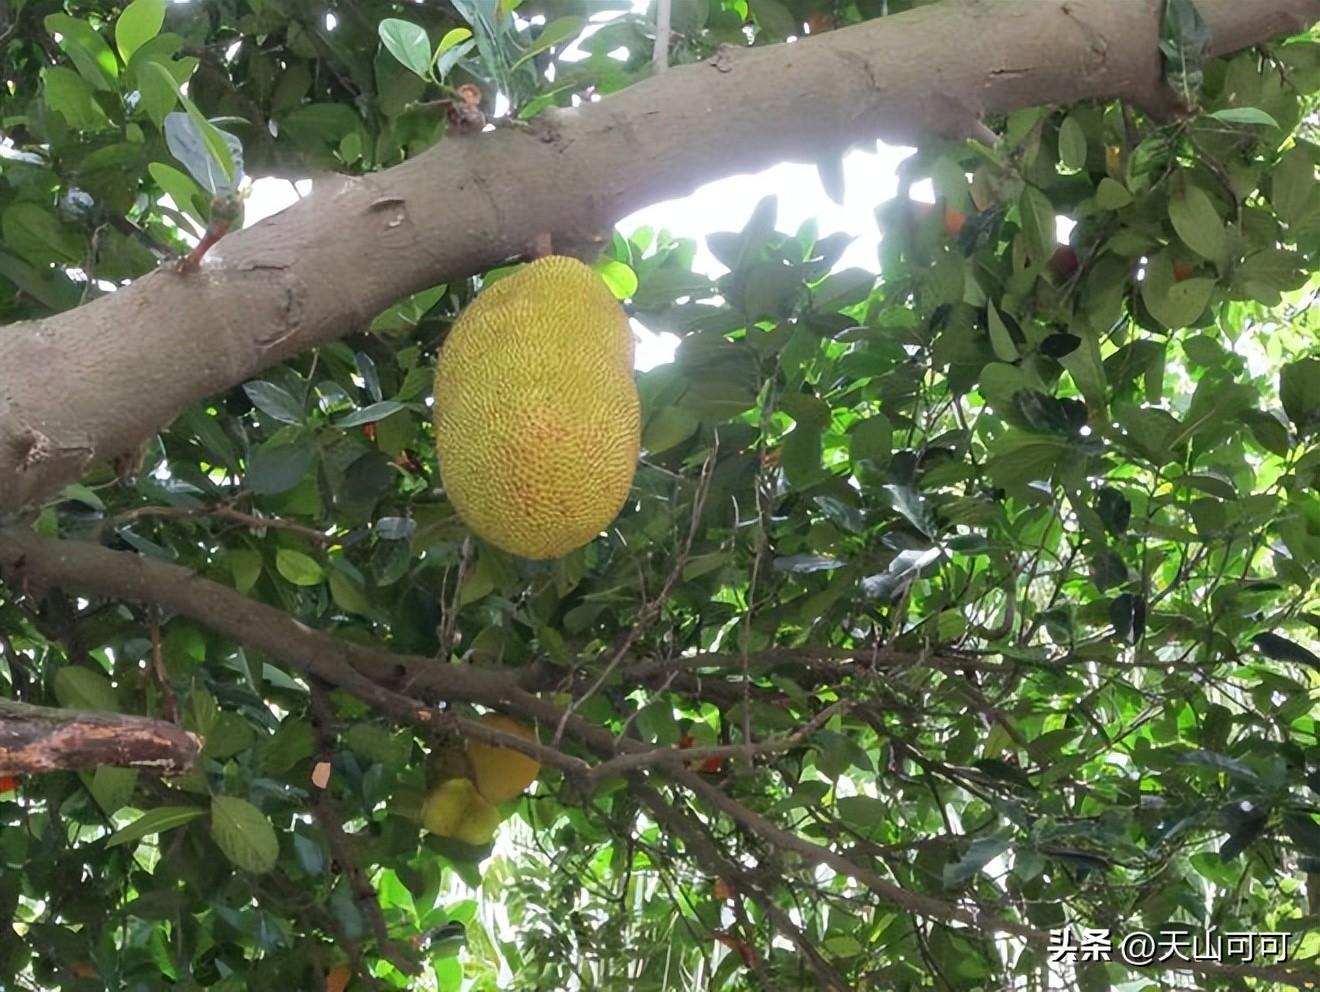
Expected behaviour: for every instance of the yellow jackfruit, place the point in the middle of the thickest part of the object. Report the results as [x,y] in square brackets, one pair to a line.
[455,809]
[537,419]
[502,773]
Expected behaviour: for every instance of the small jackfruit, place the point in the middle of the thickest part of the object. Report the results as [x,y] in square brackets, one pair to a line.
[502,773]
[537,418]
[456,810]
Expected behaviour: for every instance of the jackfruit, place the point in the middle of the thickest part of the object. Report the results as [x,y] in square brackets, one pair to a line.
[502,773]
[455,810]
[537,418]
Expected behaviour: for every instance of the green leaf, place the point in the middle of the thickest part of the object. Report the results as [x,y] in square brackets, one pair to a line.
[669,426]
[278,467]
[1001,341]
[408,43]
[1304,831]
[155,821]
[227,736]
[980,853]
[369,414]
[871,440]
[1202,758]
[1128,615]
[80,493]
[1115,510]
[621,279]
[773,19]
[756,233]
[1299,390]
[1038,224]
[1087,369]
[179,187]
[806,563]
[1283,649]
[842,289]
[1184,42]
[200,712]
[1018,458]
[90,54]
[1174,304]
[69,95]
[274,401]
[1291,181]
[1072,144]
[33,231]
[1198,223]
[1266,275]
[198,144]
[293,742]
[830,172]
[376,743]
[83,689]
[244,834]
[862,812]
[138,24]
[1267,431]
[298,568]
[1111,195]
[112,787]
[1043,413]
[1244,115]
[450,58]
[452,37]
[558,30]
[348,593]
[50,290]
[1149,431]
[245,566]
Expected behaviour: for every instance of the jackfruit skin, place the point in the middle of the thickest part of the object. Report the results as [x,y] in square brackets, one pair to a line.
[537,417]
[501,773]
[456,810]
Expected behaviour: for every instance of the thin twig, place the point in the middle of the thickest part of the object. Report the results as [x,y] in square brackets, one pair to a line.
[450,623]
[341,846]
[88,569]
[223,512]
[708,853]
[650,612]
[21,671]
[168,704]
[692,755]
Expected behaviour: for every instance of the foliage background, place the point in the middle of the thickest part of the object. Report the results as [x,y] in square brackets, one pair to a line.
[1003,560]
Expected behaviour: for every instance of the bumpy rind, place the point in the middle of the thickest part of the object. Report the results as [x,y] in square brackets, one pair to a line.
[537,418]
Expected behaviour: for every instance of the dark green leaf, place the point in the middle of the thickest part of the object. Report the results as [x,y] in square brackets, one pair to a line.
[244,834]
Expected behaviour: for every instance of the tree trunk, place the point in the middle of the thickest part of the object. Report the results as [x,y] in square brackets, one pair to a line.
[93,383]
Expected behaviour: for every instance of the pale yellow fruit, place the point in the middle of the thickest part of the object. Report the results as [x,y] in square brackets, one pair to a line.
[479,826]
[456,810]
[502,773]
[537,418]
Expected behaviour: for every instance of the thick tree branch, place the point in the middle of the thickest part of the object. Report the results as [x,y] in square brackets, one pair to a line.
[709,854]
[93,570]
[327,265]
[365,672]
[38,739]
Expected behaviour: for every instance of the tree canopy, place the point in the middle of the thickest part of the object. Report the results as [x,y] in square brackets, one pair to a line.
[959,605]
